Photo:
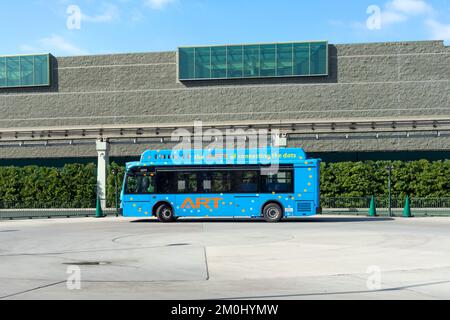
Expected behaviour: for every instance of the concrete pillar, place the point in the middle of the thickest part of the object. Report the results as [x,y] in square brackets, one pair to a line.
[102,165]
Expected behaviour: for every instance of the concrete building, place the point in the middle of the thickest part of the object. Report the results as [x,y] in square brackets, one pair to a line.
[365,81]
[390,82]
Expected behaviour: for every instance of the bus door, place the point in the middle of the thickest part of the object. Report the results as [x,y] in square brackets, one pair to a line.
[138,195]
[188,199]
[205,194]
[247,198]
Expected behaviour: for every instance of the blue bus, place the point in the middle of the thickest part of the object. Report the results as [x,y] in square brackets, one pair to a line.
[162,186]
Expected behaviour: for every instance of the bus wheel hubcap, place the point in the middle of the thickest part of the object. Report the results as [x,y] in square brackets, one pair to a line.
[167,213]
[272,213]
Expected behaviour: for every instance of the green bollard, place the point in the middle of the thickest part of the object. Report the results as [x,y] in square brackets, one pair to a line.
[373,208]
[407,209]
[99,210]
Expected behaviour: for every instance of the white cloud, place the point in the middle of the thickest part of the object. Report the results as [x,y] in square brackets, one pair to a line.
[158,4]
[54,44]
[438,30]
[410,7]
[392,17]
[398,11]
[110,13]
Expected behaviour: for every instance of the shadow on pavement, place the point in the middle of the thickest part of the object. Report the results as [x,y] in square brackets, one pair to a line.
[327,294]
[296,220]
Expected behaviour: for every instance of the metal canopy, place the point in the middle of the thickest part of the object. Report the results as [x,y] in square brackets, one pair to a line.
[288,127]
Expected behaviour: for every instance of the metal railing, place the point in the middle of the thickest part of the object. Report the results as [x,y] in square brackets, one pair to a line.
[338,205]
[52,209]
[361,205]
[75,204]
[346,203]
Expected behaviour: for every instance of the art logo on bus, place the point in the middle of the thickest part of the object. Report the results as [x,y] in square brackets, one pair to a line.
[207,203]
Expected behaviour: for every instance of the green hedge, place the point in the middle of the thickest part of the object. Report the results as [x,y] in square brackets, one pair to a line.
[422,178]
[74,185]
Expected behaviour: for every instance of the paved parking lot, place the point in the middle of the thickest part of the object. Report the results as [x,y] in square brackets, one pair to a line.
[313,258]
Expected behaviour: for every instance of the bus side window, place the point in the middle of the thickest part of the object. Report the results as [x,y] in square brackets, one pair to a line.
[221,182]
[282,182]
[181,185]
[193,182]
[245,181]
[187,182]
[166,183]
[148,185]
[206,182]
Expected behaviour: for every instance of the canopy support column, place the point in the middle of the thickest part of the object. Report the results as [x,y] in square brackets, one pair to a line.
[102,147]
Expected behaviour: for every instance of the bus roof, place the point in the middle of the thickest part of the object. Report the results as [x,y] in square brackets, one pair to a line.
[227,157]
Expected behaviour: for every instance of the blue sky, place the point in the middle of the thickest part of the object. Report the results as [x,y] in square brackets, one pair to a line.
[107,26]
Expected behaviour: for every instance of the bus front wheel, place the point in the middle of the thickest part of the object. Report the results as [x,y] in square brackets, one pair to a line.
[272,213]
[165,213]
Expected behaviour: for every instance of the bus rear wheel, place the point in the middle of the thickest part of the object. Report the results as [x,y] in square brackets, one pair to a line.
[272,213]
[165,213]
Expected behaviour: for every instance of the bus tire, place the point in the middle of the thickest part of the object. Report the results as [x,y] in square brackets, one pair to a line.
[273,212]
[165,213]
